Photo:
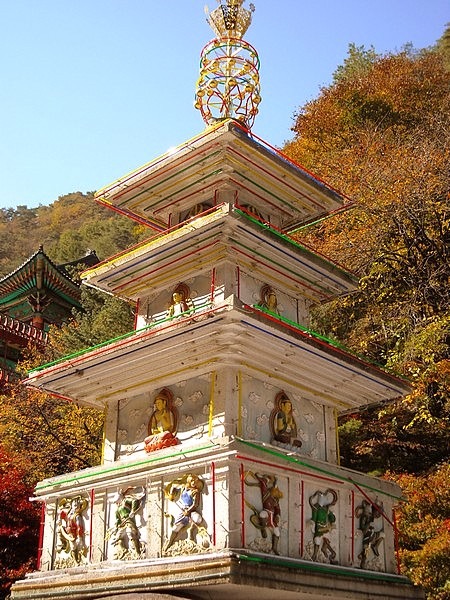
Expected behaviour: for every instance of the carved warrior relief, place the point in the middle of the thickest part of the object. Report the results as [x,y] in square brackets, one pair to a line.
[71,547]
[125,534]
[266,517]
[188,533]
[163,424]
[370,526]
[323,522]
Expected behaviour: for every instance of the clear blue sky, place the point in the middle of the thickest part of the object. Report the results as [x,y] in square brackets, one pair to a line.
[92,89]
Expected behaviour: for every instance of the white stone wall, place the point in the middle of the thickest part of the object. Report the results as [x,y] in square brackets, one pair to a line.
[218,404]
[192,402]
[212,288]
[236,480]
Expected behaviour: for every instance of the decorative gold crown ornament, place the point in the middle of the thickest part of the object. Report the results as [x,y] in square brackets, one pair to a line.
[229,19]
[228,86]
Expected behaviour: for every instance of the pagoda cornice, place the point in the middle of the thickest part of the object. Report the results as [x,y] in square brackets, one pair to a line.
[230,335]
[224,157]
[220,449]
[224,234]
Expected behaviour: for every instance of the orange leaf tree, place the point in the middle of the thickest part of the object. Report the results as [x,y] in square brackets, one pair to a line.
[381,135]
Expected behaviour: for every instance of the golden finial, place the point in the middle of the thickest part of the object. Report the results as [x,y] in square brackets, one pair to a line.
[228,86]
[229,19]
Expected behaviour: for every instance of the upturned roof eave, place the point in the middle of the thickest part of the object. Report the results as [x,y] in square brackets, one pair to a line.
[220,224]
[230,335]
[136,195]
[25,272]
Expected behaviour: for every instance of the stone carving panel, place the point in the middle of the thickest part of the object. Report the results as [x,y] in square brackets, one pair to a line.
[163,423]
[71,546]
[370,534]
[283,423]
[124,536]
[323,543]
[266,511]
[187,527]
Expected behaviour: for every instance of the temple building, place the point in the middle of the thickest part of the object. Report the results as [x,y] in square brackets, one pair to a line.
[34,296]
[220,475]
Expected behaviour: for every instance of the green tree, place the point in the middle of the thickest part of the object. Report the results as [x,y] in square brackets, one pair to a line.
[61,436]
[67,229]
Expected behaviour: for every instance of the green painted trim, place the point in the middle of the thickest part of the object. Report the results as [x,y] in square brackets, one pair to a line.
[330,215]
[311,332]
[124,336]
[330,341]
[287,238]
[142,267]
[331,570]
[297,461]
[77,476]
[176,174]
[317,288]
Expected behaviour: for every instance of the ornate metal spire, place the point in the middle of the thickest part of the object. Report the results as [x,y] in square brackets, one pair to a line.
[230,19]
[228,86]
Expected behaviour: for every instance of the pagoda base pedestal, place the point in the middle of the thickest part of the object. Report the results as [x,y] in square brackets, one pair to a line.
[220,576]
[221,519]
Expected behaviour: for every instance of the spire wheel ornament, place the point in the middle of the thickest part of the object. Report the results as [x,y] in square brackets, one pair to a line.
[228,86]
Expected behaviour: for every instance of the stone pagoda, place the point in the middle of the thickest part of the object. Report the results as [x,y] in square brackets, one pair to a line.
[220,475]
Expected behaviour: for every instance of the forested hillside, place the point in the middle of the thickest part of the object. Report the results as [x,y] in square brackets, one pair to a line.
[380,133]
[67,229]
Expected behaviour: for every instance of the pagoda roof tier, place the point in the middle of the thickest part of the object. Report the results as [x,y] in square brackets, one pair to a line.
[224,159]
[231,335]
[225,233]
[38,274]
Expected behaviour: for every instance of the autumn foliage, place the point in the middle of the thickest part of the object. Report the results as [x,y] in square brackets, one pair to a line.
[381,135]
[19,522]
[424,527]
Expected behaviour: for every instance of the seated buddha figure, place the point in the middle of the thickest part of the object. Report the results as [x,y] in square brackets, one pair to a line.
[162,426]
[269,300]
[283,424]
[180,303]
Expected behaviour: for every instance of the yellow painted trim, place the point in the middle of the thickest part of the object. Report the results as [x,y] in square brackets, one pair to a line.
[272,188]
[158,240]
[170,186]
[100,193]
[105,416]
[252,269]
[175,275]
[336,425]
[211,403]
[272,165]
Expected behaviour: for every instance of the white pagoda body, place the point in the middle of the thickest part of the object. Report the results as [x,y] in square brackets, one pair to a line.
[220,475]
